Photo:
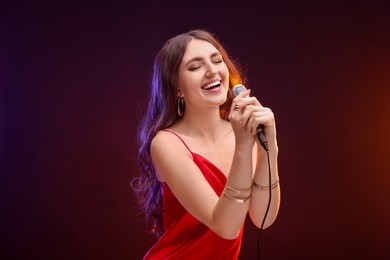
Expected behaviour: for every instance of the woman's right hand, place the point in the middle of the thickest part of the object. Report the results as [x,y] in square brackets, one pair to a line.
[239,121]
[246,114]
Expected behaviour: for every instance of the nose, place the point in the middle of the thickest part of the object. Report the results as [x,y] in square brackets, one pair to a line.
[211,70]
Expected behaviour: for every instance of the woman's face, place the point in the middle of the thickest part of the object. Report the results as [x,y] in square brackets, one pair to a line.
[203,75]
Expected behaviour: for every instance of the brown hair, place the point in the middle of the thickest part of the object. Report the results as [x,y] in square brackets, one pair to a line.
[161,113]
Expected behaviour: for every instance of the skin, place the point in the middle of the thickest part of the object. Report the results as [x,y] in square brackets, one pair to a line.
[231,146]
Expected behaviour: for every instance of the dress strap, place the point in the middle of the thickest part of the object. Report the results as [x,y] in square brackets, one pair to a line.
[167,130]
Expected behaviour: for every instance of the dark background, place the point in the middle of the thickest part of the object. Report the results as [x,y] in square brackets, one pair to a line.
[74,78]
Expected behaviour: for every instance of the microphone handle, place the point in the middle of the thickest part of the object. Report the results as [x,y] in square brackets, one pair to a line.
[261,136]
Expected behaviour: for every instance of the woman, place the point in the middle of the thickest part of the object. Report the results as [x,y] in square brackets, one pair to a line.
[203,168]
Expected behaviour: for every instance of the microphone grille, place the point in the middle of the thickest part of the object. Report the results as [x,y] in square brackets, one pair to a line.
[237,89]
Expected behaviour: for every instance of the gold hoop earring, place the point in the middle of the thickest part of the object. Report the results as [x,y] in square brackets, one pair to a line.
[180,106]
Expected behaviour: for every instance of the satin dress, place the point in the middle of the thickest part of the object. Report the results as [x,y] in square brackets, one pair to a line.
[185,237]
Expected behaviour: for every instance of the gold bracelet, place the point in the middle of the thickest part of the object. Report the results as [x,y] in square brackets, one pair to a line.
[241,200]
[237,191]
[273,186]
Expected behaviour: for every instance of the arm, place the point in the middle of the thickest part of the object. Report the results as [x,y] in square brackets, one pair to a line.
[259,198]
[253,114]
[175,166]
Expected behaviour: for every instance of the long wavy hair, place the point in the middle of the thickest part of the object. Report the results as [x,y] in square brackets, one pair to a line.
[161,113]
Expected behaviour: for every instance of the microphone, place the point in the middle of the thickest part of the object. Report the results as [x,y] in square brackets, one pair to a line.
[236,90]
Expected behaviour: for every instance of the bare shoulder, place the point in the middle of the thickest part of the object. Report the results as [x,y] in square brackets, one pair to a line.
[167,150]
[166,141]
[161,138]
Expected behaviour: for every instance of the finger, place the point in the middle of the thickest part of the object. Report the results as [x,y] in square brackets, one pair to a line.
[249,101]
[256,124]
[255,121]
[265,118]
[246,115]
[249,126]
[243,94]
[237,101]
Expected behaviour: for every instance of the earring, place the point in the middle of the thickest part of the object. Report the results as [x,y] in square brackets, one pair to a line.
[180,106]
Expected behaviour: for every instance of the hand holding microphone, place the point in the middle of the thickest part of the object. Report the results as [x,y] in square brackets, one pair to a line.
[236,90]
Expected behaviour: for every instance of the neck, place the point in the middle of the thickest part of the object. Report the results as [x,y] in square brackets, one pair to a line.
[205,123]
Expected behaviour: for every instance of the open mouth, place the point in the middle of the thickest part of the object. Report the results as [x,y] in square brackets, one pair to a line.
[212,85]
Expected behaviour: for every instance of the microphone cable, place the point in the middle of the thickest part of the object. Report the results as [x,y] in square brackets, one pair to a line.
[269,201]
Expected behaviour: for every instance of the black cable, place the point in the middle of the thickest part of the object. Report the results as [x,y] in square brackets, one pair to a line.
[269,203]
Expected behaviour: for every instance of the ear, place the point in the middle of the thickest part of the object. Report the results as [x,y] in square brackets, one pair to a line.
[179,93]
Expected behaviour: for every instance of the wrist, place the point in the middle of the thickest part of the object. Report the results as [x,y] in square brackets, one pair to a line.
[273,147]
[244,144]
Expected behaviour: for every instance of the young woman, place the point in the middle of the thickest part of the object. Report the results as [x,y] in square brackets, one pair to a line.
[203,168]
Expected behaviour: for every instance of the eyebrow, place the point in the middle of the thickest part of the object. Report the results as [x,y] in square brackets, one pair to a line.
[200,58]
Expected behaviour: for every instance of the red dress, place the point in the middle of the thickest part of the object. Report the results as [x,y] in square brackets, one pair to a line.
[184,236]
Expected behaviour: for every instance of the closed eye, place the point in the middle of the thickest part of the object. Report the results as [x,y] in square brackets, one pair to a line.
[193,68]
[217,59]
